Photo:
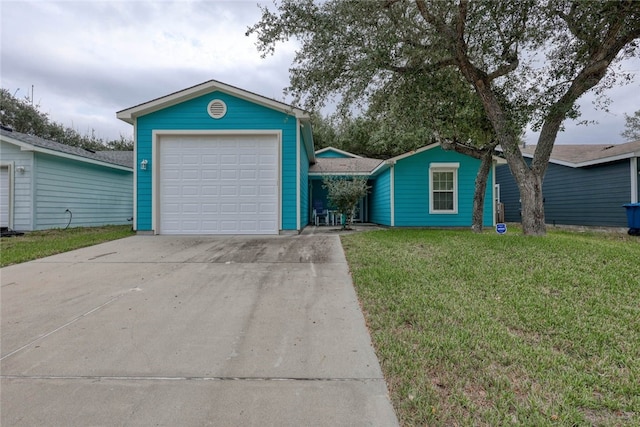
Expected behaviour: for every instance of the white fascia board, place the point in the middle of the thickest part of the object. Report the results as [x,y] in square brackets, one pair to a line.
[381,167]
[393,160]
[607,159]
[590,162]
[32,148]
[128,114]
[499,160]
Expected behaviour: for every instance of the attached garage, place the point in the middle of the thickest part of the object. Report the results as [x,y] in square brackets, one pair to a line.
[216,159]
[218,184]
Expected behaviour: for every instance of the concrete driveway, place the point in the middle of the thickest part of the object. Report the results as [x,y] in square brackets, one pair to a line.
[189,331]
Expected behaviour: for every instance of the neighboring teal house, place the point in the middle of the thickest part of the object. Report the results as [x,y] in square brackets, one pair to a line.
[428,187]
[332,162]
[216,159]
[45,184]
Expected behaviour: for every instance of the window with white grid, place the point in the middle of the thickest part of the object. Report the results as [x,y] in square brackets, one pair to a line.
[443,188]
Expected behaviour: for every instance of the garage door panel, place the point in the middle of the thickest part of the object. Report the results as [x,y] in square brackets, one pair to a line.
[228,208]
[265,191]
[267,208]
[227,190]
[210,190]
[218,185]
[248,174]
[248,190]
[190,190]
[248,159]
[210,208]
[229,174]
[229,159]
[210,174]
[248,208]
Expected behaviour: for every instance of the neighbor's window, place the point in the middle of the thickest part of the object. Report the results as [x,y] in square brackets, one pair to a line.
[443,184]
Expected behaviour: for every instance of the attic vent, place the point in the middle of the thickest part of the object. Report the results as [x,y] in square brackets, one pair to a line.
[606,148]
[217,109]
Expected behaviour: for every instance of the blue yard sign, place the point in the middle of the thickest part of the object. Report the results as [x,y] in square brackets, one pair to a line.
[501,228]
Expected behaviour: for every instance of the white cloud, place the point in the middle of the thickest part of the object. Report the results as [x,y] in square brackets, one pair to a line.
[89,59]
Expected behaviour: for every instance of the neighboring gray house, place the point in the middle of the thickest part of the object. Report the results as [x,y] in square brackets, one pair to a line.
[584,184]
[45,184]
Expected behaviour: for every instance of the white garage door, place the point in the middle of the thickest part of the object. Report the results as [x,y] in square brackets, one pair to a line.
[218,184]
[4,196]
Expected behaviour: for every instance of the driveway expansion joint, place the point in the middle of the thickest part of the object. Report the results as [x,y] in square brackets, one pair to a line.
[186,378]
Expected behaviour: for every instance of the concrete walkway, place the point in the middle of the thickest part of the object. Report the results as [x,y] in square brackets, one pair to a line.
[189,331]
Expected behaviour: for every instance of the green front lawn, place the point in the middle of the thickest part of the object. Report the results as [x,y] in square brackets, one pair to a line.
[39,244]
[503,330]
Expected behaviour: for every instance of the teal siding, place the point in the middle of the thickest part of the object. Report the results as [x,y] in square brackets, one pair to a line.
[22,185]
[96,195]
[411,183]
[304,186]
[380,199]
[241,114]
[332,154]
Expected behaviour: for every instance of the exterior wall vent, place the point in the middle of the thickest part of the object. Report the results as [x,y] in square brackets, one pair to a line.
[217,109]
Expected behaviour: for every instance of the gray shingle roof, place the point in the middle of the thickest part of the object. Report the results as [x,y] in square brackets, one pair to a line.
[588,153]
[344,165]
[120,158]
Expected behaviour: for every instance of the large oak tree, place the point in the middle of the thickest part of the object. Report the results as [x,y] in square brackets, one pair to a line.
[527,59]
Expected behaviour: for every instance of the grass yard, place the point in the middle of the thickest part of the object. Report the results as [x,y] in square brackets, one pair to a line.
[503,330]
[39,244]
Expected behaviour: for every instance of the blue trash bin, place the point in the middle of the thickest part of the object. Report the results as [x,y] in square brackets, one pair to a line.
[633,218]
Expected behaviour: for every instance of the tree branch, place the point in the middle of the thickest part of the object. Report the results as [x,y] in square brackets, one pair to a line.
[388,3]
[587,78]
[503,69]
[458,147]
[426,68]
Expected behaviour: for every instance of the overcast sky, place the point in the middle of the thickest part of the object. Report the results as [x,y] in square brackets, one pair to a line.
[88,59]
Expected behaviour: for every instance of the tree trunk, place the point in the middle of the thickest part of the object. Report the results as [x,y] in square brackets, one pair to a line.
[485,155]
[532,205]
[480,190]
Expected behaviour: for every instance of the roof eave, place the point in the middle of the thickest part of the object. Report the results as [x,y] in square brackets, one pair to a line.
[129,114]
[25,146]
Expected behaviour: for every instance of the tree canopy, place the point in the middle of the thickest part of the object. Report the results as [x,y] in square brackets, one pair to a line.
[450,66]
[632,127]
[22,116]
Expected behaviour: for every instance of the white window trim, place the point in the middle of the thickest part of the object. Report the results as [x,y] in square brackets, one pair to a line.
[444,167]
